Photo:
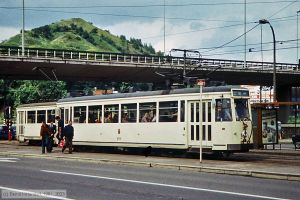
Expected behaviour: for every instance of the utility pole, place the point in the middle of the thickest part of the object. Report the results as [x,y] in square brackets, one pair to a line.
[164,27]
[297,40]
[23,29]
[245,30]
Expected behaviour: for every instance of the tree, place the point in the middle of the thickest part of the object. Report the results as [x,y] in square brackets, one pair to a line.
[39,91]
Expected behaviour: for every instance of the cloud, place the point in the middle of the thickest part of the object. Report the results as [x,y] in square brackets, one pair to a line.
[181,35]
[7,32]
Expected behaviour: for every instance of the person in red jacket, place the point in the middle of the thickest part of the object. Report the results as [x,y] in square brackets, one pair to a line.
[44,133]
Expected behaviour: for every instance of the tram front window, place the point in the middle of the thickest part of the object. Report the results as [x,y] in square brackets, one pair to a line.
[241,109]
[223,110]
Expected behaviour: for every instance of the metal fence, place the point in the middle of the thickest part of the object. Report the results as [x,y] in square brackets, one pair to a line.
[38,53]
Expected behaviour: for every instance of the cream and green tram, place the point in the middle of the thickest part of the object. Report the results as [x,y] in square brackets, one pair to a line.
[163,119]
[30,118]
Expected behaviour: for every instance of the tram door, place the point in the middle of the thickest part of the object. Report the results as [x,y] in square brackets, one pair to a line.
[194,123]
[21,120]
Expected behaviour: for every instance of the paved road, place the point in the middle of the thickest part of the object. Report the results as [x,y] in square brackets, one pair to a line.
[93,181]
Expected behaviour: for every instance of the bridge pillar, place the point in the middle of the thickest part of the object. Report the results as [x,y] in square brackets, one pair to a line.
[284,94]
[287,93]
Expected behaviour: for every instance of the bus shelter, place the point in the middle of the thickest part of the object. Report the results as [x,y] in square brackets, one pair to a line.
[266,122]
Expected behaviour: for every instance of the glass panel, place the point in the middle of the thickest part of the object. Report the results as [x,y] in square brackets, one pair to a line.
[50,116]
[197,112]
[79,114]
[192,112]
[31,117]
[95,114]
[209,112]
[203,133]
[192,132]
[148,112]
[182,111]
[197,133]
[41,116]
[66,116]
[209,133]
[241,109]
[71,114]
[129,113]
[168,111]
[111,113]
[203,112]
[223,110]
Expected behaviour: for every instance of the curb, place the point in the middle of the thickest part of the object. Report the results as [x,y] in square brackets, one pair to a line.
[238,172]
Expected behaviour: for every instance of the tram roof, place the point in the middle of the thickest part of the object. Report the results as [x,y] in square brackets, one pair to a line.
[37,104]
[151,93]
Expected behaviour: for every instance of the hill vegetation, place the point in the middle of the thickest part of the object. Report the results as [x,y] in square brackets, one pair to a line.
[78,34]
[71,34]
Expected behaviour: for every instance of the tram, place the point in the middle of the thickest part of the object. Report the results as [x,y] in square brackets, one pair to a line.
[158,119]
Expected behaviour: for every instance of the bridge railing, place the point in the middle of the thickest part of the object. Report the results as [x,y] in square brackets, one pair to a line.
[39,53]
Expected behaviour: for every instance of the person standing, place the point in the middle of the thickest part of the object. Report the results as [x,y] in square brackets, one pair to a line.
[60,128]
[44,133]
[68,134]
[52,128]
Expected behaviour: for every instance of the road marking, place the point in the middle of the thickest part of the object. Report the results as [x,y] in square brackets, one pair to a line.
[164,185]
[33,193]
[9,159]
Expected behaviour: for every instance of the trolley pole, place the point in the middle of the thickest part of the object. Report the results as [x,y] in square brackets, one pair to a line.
[201,83]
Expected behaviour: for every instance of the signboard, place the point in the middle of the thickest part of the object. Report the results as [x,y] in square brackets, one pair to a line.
[201,82]
[269,127]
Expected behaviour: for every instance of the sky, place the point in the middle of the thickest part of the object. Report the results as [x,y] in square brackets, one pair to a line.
[215,28]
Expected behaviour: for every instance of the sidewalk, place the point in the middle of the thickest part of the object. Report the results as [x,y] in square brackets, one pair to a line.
[275,164]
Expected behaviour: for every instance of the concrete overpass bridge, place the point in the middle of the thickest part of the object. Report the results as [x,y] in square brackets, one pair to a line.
[102,66]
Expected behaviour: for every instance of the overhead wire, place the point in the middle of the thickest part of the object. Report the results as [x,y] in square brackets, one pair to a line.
[242,51]
[270,17]
[230,40]
[159,5]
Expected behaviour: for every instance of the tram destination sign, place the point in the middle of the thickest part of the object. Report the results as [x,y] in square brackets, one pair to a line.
[201,82]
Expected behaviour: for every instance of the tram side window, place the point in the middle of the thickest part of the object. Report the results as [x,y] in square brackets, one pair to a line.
[80,114]
[51,116]
[223,110]
[30,117]
[168,111]
[111,113]
[182,111]
[241,109]
[41,116]
[128,113]
[95,114]
[148,112]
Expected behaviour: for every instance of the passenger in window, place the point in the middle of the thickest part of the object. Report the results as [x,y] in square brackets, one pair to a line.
[115,117]
[125,118]
[227,114]
[97,120]
[175,116]
[108,118]
[152,116]
[146,117]
[82,118]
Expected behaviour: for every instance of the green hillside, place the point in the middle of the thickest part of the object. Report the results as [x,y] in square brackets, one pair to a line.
[78,34]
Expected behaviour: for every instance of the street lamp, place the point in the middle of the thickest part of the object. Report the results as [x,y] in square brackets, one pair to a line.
[297,40]
[264,21]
